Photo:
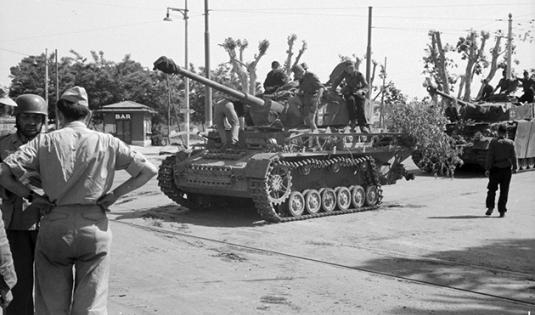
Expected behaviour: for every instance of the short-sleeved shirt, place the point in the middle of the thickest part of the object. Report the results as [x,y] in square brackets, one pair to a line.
[76,164]
[501,154]
[17,213]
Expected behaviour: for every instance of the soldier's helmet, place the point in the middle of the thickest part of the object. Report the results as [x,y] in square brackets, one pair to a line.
[31,104]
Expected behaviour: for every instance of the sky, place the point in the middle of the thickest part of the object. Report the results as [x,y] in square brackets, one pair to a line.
[330,28]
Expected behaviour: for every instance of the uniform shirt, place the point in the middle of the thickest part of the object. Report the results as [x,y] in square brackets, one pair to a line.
[275,79]
[76,164]
[501,154]
[17,213]
[310,83]
[354,81]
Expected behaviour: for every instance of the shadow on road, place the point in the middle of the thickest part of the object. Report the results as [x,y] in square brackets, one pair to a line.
[217,217]
[460,217]
[502,268]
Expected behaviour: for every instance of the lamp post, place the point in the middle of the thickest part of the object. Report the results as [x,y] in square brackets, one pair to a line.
[184,13]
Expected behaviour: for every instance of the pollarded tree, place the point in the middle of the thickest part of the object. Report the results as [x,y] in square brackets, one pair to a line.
[246,71]
[288,63]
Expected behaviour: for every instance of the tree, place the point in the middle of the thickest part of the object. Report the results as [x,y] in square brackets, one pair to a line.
[288,64]
[246,71]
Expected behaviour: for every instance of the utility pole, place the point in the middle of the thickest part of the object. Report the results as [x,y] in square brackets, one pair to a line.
[186,79]
[381,117]
[46,85]
[369,60]
[509,47]
[184,13]
[168,110]
[208,90]
[57,77]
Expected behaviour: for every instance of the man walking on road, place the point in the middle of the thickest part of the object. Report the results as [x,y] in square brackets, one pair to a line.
[501,163]
[20,217]
[77,167]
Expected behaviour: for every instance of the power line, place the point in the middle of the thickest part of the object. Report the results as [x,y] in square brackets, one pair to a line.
[15,52]
[80,31]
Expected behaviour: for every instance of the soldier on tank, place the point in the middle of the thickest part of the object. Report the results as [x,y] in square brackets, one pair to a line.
[354,91]
[275,78]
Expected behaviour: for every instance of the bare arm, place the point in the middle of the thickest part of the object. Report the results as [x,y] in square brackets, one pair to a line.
[147,172]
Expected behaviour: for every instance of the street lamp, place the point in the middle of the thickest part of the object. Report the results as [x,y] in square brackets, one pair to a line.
[184,13]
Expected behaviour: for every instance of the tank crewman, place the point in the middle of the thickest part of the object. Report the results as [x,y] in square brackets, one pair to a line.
[528,86]
[451,111]
[310,92]
[486,90]
[354,91]
[76,166]
[500,163]
[20,217]
[275,78]
[8,277]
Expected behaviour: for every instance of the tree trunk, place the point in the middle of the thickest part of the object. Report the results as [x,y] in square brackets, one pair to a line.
[442,64]
[289,54]
[495,52]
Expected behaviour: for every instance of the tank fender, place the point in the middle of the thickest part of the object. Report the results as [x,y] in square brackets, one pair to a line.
[258,165]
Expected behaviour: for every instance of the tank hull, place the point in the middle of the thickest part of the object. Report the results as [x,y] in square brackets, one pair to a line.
[280,179]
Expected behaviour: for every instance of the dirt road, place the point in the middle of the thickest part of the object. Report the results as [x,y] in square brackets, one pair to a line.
[428,250]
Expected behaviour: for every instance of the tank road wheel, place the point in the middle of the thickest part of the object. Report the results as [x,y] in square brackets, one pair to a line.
[531,162]
[279,183]
[312,201]
[296,204]
[343,198]
[358,196]
[372,195]
[328,199]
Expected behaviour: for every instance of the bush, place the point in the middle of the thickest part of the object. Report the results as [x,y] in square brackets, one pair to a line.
[435,150]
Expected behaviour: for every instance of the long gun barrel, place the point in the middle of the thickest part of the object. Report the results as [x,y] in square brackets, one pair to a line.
[434,91]
[262,112]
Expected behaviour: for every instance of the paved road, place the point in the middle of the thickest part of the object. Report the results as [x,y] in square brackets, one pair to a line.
[428,250]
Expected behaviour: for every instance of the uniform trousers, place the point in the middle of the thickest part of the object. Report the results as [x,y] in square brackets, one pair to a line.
[498,177]
[225,111]
[73,237]
[355,108]
[22,243]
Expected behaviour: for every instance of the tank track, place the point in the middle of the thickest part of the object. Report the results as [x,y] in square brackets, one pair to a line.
[266,209]
[167,183]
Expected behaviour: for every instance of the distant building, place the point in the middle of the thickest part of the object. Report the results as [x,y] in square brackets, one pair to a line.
[128,121]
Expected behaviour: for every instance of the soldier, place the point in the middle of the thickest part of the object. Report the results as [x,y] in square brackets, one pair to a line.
[275,78]
[8,277]
[76,166]
[20,217]
[486,91]
[354,92]
[310,92]
[500,163]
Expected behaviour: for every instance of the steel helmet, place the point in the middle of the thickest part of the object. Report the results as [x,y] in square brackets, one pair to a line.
[32,104]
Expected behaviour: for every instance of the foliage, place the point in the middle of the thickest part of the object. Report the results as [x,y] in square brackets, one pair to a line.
[427,125]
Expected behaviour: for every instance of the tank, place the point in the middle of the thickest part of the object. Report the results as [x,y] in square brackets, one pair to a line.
[478,123]
[276,170]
